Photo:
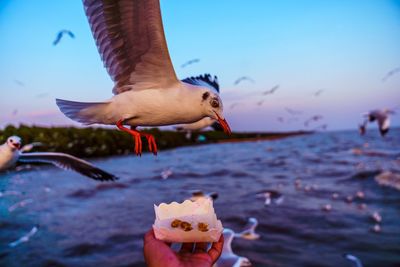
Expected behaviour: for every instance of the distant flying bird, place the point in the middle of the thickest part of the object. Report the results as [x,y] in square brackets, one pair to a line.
[228,258]
[233,105]
[197,194]
[313,118]
[293,112]
[357,262]
[42,95]
[20,204]
[130,39]
[189,62]
[18,82]
[271,197]
[280,119]
[272,90]
[60,34]
[381,117]
[249,231]
[10,154]
[292,119]
[243,78]
[390,74]
[317,93]
[322,127]
[362,127]
[259,103]
[15,112]
[25,238]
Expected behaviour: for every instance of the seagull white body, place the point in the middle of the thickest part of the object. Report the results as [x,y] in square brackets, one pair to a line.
[8,157]
[130,39]
[10,154]
[151,107]
[228,258]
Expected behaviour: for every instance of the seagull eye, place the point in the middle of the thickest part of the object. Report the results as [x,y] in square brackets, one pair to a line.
[214,103]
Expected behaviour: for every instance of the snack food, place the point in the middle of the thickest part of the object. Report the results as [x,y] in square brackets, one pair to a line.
[189,221]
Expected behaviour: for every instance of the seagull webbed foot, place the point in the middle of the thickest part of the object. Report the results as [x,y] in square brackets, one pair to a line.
[137,139]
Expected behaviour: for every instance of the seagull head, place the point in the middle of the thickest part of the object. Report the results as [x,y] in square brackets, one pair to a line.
[14,142]
[213,108]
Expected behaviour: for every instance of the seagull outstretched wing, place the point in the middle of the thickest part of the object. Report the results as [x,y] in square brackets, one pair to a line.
[68,162]
[130,39]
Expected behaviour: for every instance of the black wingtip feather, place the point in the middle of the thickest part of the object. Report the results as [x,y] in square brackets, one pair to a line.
[206,78]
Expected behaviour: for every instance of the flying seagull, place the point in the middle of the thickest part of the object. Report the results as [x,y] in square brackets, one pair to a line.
[11,153]
[190,62]
[228,258]
[249,231]
[20,204]
[272,90]
[293,112]
[233,105]
[390,74]
[197,194]
[381,117]
[313,118]
[18,82]
[130,39]
[357,262]
[243,78]
[24,238]
[317,93]
[270,196]
[60,34]
[322,127]
[259,103]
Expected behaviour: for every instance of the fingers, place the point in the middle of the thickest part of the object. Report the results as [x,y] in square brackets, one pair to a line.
[149,236]
[200,247]
[216,249]
[187,248]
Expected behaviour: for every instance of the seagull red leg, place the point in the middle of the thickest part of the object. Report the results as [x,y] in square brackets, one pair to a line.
[137,138]
[152,143]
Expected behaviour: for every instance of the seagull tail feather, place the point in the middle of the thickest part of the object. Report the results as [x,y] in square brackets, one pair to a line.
[83,112]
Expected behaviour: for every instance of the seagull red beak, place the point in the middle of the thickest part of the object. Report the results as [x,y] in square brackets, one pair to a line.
[17,145]
[224,124]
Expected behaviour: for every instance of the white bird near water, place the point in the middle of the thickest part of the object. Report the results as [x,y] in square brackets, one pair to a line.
[24,238]
[381,117]
[130,39]
[249,231]
[357,261]
[11,153]
[198,194]
[228,258]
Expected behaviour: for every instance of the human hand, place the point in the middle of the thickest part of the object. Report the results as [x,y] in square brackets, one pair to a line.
[158,253]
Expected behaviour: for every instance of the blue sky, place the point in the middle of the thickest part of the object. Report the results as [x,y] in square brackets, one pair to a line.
[344,47]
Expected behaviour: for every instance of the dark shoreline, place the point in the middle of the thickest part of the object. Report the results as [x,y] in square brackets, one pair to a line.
[100,142]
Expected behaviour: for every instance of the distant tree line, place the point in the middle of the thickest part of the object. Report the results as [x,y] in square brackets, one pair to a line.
[100,142]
